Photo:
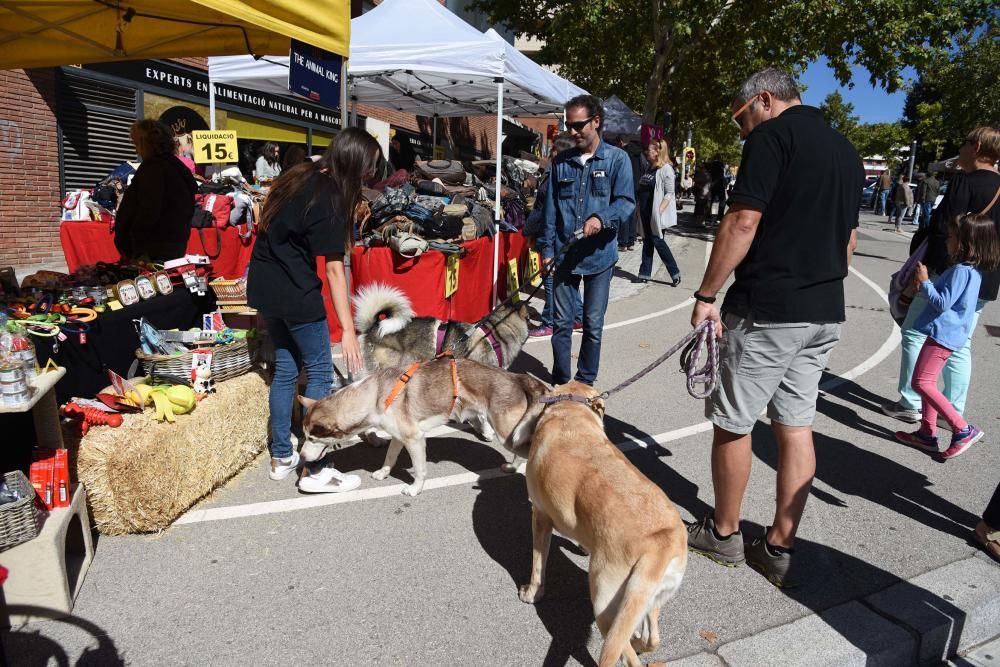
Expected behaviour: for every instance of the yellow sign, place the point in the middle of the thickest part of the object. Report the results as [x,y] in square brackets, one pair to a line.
[450,276]
[214,146]
[438,152]
[513,284]
[535,266]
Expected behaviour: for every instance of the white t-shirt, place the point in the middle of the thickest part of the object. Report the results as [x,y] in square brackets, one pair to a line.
[584,158]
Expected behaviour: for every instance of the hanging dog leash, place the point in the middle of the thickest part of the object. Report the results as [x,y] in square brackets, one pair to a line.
[700,381]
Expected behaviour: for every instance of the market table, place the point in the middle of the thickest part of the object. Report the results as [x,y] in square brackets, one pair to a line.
[112,341]
[86,243]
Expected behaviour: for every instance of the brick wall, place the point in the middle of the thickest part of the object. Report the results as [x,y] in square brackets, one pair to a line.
[29,171]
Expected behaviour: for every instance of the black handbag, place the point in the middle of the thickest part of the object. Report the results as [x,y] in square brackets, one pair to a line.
[202,220]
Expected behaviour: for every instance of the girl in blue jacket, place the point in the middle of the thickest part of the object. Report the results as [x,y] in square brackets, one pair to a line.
[974,247]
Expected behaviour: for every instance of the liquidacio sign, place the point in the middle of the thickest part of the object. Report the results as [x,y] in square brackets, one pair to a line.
[177,79]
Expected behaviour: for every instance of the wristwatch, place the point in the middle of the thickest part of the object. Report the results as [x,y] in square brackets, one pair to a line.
[703,298]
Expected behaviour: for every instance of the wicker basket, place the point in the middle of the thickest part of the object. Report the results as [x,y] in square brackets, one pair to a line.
[230,292]
[19,520]
[228,361]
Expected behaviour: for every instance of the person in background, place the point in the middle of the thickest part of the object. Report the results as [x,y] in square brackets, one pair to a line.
[533,227]
[183,149]
[947,323]
[590,194]
[882,187]
[269,162]
[294,155]
[154,217]
[309,214]
[927,193]
[717,171]
[702,185]
[975,189]
[658,210]
[627,232]
[902,200]
[987,532]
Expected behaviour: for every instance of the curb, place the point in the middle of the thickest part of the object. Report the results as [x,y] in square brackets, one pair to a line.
[923,621]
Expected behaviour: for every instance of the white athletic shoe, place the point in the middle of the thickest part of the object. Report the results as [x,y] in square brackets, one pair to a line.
[282,468]
[328,480]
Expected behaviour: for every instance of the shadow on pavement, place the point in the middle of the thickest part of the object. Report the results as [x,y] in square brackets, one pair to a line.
[28,646]
[501,518]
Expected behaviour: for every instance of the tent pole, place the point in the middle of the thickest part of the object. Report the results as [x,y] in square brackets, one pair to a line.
[434,137]
[211,104]
[498,171]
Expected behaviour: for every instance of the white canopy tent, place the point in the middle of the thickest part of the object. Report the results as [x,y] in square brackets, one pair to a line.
[418,57]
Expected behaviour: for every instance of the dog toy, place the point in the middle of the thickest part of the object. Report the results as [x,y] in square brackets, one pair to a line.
[91,416]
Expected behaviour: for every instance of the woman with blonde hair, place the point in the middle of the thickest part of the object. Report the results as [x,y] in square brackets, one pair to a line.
[657,207]
[308,215]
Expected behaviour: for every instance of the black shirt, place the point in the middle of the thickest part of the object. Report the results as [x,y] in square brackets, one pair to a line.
[806,179]
[967,193]
[283,281]
[154,218]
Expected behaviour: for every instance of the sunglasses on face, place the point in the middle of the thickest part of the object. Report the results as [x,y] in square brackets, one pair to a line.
[739,112]
[578,125]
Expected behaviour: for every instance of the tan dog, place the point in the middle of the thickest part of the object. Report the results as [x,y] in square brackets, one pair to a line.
[582,485]
[426,401]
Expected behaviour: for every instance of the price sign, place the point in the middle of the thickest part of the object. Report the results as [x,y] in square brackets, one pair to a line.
[214,146]
[535,266]
[450,276]
[513,284]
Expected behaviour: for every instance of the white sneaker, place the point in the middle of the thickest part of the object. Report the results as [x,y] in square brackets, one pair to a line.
[282,468]
[328,480]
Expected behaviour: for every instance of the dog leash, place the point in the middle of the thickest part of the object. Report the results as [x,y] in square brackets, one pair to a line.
[701,338]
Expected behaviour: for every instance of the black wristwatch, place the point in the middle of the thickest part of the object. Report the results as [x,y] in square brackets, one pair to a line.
[703,298]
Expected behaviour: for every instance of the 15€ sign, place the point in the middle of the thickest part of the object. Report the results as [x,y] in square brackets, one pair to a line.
[214,146]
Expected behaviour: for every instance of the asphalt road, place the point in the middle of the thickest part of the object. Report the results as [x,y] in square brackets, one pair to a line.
[259,574]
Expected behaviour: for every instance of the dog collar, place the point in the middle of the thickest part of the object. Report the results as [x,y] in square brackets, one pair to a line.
[558,398]
[497,348]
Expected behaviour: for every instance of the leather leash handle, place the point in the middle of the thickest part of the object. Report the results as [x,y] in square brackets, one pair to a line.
[992,202]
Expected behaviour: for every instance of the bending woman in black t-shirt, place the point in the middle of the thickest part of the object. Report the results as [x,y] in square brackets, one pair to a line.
[975,189]
[308,214]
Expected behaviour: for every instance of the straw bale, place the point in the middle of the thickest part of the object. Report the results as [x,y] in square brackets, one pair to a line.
[143,475]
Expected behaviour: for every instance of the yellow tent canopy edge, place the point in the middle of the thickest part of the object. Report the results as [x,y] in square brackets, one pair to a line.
[50,33]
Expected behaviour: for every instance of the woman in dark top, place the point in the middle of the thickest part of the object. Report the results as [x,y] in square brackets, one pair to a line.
[975,189]
[154,217]
[309,214]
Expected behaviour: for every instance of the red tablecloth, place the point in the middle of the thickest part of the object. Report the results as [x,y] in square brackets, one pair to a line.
[91,242]
[421,278]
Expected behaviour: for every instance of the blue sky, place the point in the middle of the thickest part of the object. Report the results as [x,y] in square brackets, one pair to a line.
[872,105]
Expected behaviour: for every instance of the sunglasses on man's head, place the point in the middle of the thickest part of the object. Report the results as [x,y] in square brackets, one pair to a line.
[578,125]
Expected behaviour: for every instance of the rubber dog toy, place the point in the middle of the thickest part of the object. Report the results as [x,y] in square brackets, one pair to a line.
[91,417]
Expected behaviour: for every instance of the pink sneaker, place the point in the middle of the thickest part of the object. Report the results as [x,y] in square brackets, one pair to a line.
[918,439]
[961,441]
[538,332]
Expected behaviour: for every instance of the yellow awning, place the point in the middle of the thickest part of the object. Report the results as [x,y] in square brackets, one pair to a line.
[48,33]
[262,129]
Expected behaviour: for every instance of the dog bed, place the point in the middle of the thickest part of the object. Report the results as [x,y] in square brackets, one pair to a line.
[143,475]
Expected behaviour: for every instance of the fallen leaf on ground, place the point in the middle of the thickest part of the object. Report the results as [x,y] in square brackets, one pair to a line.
[643,344]
[708,635]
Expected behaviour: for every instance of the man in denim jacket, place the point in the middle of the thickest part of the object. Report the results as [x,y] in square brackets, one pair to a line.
[589,189]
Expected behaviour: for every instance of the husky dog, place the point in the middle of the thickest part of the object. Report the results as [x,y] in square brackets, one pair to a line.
[391,336]
[437,391]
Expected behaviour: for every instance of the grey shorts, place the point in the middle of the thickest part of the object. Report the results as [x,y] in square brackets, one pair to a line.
[773,365]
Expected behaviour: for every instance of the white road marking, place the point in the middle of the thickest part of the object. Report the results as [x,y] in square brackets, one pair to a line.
[629,444]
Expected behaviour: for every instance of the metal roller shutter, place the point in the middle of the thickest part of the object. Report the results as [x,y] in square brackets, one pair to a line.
[94,119]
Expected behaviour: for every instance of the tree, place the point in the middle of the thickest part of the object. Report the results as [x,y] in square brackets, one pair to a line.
[840,115]
[885,139]
[690,56]
[955,92]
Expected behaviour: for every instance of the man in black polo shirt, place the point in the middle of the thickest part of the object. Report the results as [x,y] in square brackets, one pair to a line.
[789,235]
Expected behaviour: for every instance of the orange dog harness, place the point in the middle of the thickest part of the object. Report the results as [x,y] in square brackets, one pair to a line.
[400,385]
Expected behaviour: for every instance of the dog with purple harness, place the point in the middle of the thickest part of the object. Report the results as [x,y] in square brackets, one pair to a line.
[391,336]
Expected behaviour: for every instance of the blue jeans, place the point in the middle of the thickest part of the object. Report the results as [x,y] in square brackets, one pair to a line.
[549,298]
[663,250]
[626,231]
[957,371]
[924,209]
[880,207]
[595,303]
[297,345]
